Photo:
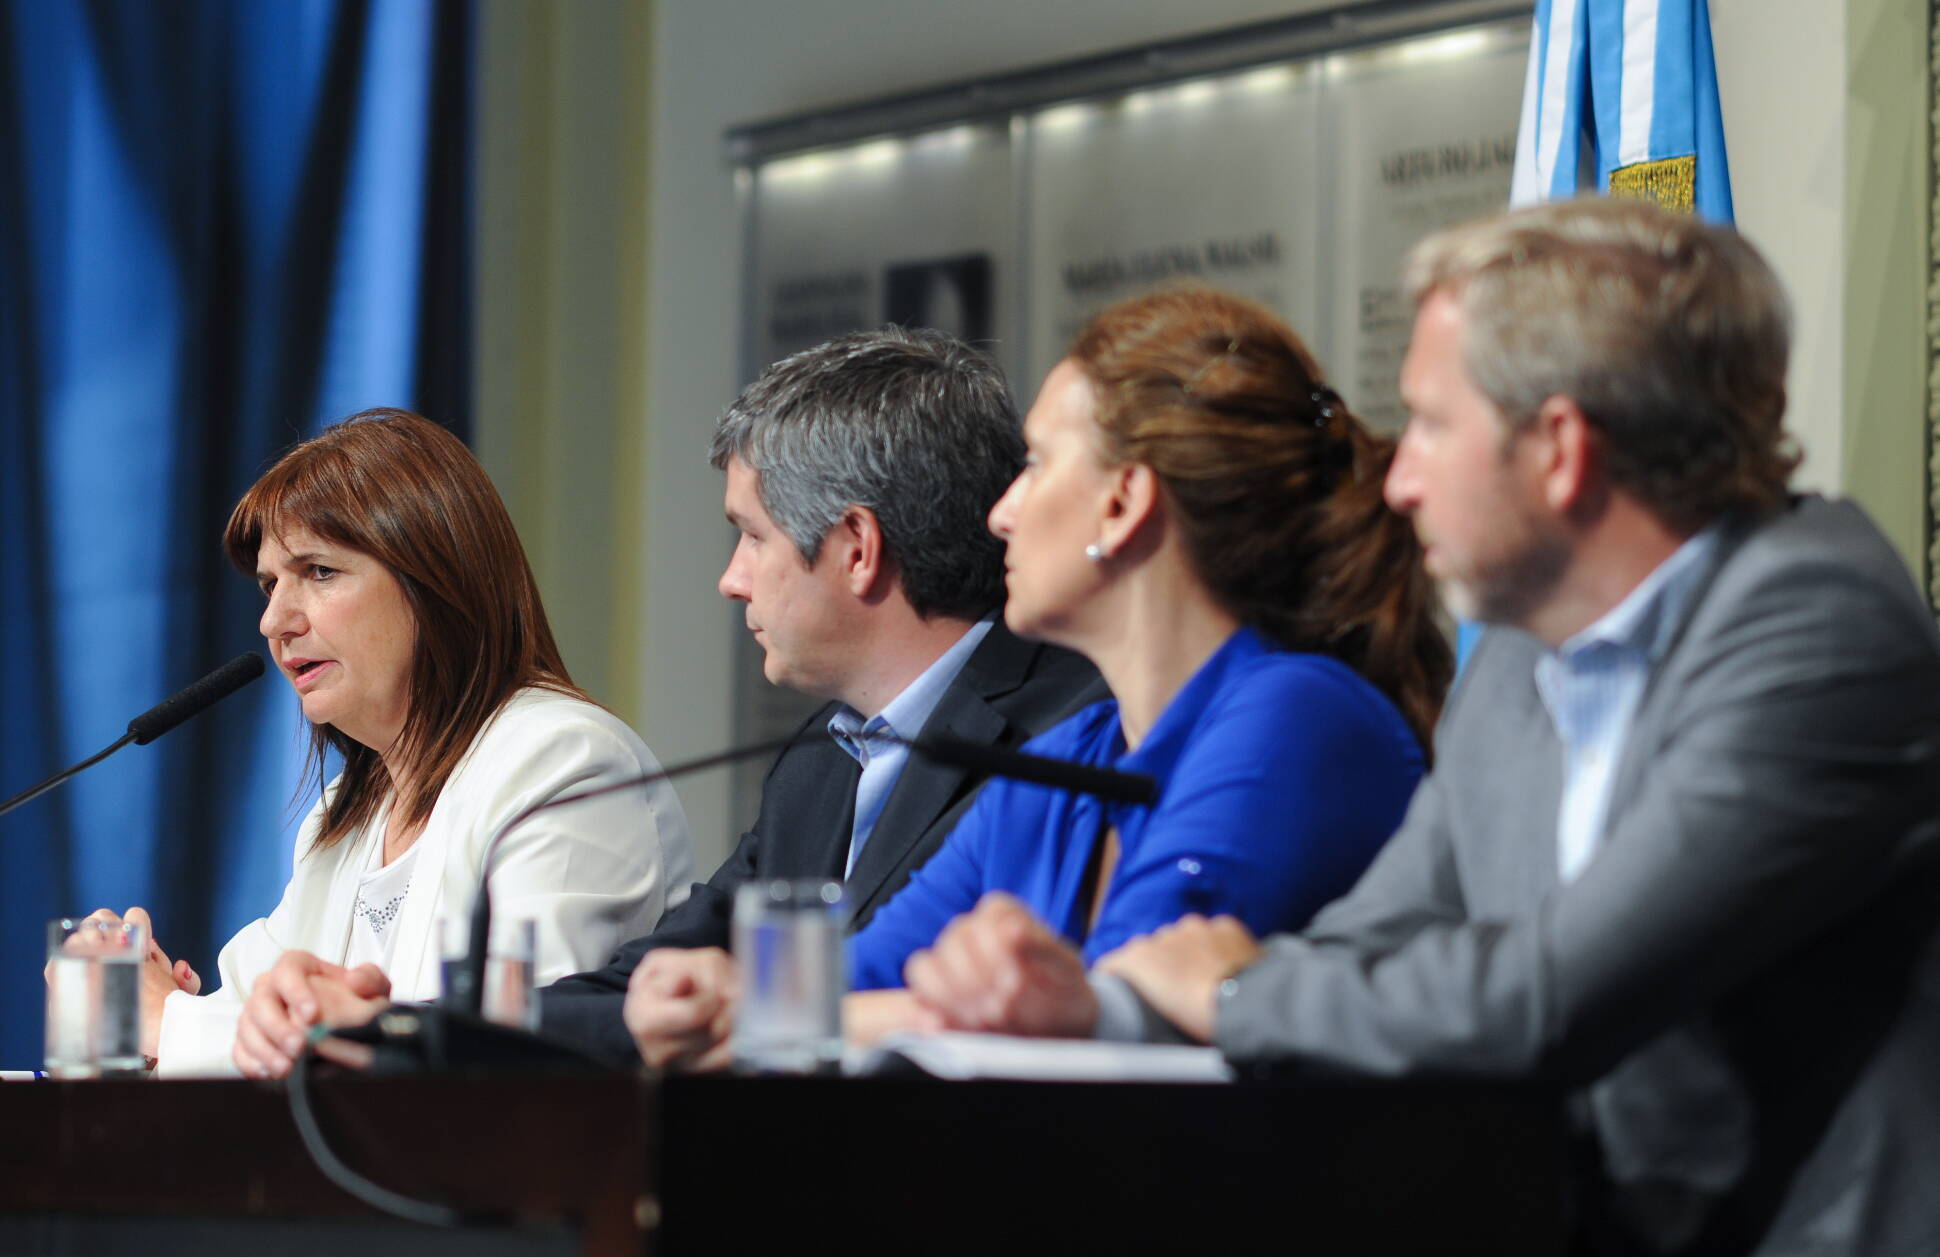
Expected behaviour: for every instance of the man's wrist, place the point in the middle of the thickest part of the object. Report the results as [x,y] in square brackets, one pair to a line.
[1224,992]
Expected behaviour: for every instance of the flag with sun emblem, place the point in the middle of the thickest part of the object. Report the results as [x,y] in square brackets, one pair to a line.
[1622,96]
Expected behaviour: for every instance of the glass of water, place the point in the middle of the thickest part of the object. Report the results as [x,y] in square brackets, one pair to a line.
[510,962]
[788,944]
[94,997]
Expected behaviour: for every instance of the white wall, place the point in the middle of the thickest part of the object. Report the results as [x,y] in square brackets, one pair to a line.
[721,62]
[1825,107]
[1823,98]
[559,259]
[1775,59]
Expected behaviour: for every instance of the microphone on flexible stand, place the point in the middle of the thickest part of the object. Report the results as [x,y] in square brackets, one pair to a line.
[468,983]
[468,987]
[159,719]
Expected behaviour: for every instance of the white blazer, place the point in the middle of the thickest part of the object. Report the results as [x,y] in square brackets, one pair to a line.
[592,875]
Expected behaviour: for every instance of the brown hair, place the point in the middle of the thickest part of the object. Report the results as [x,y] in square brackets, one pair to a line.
[1276,486]
[406,492]
[1670,333]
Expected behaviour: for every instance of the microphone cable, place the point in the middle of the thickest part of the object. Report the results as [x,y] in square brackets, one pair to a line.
[339,1172]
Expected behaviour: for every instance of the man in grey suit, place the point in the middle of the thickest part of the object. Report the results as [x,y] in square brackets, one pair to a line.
[1679,849]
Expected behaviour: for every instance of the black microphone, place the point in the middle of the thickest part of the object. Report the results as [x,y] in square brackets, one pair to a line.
[160,718]
[468,988]
[196,699]
[1060,774]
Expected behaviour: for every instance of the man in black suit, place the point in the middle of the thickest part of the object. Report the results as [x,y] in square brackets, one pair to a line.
[858,475]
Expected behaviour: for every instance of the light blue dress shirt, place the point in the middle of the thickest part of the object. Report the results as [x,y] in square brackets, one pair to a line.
[1592,684]
[882,762]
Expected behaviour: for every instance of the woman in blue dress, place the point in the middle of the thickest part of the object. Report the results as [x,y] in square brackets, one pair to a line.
[1201,516]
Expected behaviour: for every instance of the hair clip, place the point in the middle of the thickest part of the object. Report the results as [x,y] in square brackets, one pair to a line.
[1326,403]
[1336,456]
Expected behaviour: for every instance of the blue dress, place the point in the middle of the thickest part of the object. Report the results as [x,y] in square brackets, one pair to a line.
[1280,776]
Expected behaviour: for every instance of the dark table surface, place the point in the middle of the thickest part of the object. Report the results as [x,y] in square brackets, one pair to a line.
[722,1164]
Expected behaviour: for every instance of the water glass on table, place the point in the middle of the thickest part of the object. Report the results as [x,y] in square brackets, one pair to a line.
[510,962]
[94,998]
[788,945]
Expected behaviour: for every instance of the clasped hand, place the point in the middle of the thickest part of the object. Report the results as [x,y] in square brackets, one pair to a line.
[299,991]
[998,969]
[680,1007]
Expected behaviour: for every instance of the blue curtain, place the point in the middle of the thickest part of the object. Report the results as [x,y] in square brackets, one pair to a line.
[222,225]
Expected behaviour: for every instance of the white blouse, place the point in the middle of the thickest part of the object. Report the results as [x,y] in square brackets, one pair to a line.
[591,874]
[381,891]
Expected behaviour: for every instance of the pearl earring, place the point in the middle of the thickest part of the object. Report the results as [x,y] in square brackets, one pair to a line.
[1095,552]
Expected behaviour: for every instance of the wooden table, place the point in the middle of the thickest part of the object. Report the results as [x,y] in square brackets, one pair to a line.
[720,1165]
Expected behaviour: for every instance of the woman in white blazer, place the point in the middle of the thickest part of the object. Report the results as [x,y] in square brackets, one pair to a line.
[399,605]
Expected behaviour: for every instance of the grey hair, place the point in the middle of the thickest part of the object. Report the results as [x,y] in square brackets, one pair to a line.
[1669,333]
[914,425]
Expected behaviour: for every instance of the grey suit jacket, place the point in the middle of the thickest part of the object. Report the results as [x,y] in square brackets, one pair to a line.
[1744,983]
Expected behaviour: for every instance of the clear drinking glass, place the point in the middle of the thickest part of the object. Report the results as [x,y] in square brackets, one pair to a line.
[788,943]
[94,997]
[510,963]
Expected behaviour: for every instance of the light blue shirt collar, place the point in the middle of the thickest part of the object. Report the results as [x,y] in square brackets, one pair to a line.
[1648,616]
[904,717]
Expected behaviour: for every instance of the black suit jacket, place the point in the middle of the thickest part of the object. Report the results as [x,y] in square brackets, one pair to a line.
[1009,690]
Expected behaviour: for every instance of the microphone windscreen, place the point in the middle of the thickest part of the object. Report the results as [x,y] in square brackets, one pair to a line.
[191,701]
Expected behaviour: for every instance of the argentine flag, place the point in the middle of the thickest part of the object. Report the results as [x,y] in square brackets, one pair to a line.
[1622,96]
[1624,92]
